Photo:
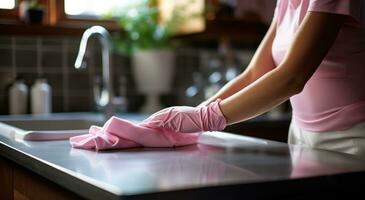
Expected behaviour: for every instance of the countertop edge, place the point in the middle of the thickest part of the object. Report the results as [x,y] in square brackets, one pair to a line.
[278,187]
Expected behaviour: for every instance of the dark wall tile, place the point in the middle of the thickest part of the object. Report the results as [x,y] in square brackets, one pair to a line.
[4,102]
[26,58]
[51,42]
[53,70]
[54,80]
[6,79]
[80,101]
[57,103]
[6,57]
[51,59]
[28,41]
[73,45]
[79,82]
[5,40]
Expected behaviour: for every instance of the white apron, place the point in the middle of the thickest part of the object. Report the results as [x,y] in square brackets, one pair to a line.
[351,141]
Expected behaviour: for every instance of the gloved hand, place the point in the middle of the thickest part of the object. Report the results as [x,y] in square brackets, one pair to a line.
[186,119]
[118,133]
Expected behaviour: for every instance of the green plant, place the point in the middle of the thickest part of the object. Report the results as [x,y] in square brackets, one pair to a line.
[35,5]
[142,29]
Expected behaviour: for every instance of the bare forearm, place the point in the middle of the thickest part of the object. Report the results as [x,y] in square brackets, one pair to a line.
[259,97]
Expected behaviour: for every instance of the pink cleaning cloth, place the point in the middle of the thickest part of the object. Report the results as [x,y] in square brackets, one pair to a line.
[120,134]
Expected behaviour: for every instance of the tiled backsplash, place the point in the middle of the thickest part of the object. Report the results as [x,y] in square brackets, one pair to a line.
[72,90]
[51,58]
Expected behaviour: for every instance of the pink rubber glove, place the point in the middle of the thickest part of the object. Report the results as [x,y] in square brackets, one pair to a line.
[120,134]
[186,119]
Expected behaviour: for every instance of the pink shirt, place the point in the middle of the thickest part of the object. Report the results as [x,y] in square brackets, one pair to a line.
[334,97]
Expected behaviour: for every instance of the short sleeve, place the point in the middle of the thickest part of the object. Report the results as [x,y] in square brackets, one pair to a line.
[354,8]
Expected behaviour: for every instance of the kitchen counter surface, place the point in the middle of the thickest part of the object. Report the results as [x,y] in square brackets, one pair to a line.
[222,165]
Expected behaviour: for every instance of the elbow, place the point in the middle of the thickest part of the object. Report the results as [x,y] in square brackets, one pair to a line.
[292,82]
[294,79]
[296,85]
[297,90]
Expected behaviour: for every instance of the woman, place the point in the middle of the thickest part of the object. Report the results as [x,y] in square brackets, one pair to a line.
[312,54]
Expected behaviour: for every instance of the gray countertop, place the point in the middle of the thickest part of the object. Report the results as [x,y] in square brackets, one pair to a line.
[221,162]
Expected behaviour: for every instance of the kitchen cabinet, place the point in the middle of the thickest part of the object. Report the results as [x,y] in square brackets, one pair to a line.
[17,183]
[6,179]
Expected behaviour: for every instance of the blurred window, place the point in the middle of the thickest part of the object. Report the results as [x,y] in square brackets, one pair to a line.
[7,4]
[96,8]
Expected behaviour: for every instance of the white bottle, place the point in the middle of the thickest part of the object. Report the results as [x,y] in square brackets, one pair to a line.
[41,97]
[18,98]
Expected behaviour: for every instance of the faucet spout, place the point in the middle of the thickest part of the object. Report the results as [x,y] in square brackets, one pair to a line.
[106,93]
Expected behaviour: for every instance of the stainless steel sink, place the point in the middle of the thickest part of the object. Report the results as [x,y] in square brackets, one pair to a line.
[54,126]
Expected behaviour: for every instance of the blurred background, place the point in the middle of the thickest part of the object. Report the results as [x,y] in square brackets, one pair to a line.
[210,41]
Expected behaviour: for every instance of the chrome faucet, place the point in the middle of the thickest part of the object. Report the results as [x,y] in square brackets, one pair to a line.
[106,98]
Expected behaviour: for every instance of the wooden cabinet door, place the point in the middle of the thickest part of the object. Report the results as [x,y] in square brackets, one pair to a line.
[18,183]
[28,185]
[6,179]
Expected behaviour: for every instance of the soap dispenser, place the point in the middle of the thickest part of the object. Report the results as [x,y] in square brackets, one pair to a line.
[41,97]
[18,97]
